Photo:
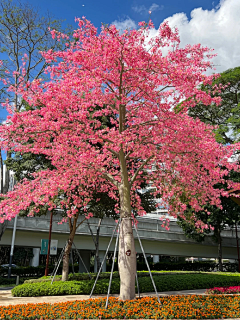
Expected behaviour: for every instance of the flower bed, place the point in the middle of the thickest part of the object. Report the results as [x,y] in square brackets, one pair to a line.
[224,290]
[173,307]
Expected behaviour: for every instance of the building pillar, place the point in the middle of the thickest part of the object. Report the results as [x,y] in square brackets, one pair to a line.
[35,259]
[85,255]
[155,258]
[101,256]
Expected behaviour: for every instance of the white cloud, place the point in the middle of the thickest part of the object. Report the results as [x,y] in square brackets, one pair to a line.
[139,9]
[218,28]
[144,10]
[155,7]
[125,24]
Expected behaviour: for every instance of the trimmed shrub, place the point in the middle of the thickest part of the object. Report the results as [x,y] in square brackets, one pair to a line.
[164,282]
[103,275]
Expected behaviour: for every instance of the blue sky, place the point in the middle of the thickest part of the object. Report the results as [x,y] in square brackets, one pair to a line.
[107,11]
[214,24]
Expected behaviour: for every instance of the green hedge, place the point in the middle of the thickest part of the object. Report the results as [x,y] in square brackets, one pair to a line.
[26,271]
[6,281]
[164,282]
[182,266]
[103,275]
[33,271]
[166,266]
[75,276]
[12,281]
[188,266]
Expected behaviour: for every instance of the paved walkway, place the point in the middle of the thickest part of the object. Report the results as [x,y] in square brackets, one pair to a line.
[7,299]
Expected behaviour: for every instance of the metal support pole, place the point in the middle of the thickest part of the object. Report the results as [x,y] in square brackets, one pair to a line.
[147,264]
[58,263]
[114,256]
[103,259]
[137,286]
[82,260]
[12,247]
[49,243]
[137,280]
[12,182]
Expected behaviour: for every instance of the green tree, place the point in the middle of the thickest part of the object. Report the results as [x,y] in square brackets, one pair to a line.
[219,219]
[227,115]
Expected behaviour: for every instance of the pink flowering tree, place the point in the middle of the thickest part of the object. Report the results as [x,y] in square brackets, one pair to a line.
[139,82]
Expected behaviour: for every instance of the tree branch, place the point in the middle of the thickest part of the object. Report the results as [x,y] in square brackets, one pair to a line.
[109,177]
[139,169]
[91,233]
[80,223]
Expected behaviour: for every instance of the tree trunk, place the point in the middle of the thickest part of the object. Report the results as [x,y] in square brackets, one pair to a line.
[127,252]
[220,251]
[65,269]
[7,175]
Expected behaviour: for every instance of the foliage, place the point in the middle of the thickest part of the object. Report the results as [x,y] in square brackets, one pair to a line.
[189,266]
[216,219]
[133,140]
[164,282]
[102,275]
[4,281]
[24,165]
[116,75]
[158,267]
[27,271]
[226,115]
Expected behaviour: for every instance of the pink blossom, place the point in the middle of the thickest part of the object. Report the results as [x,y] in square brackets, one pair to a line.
[115,75]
